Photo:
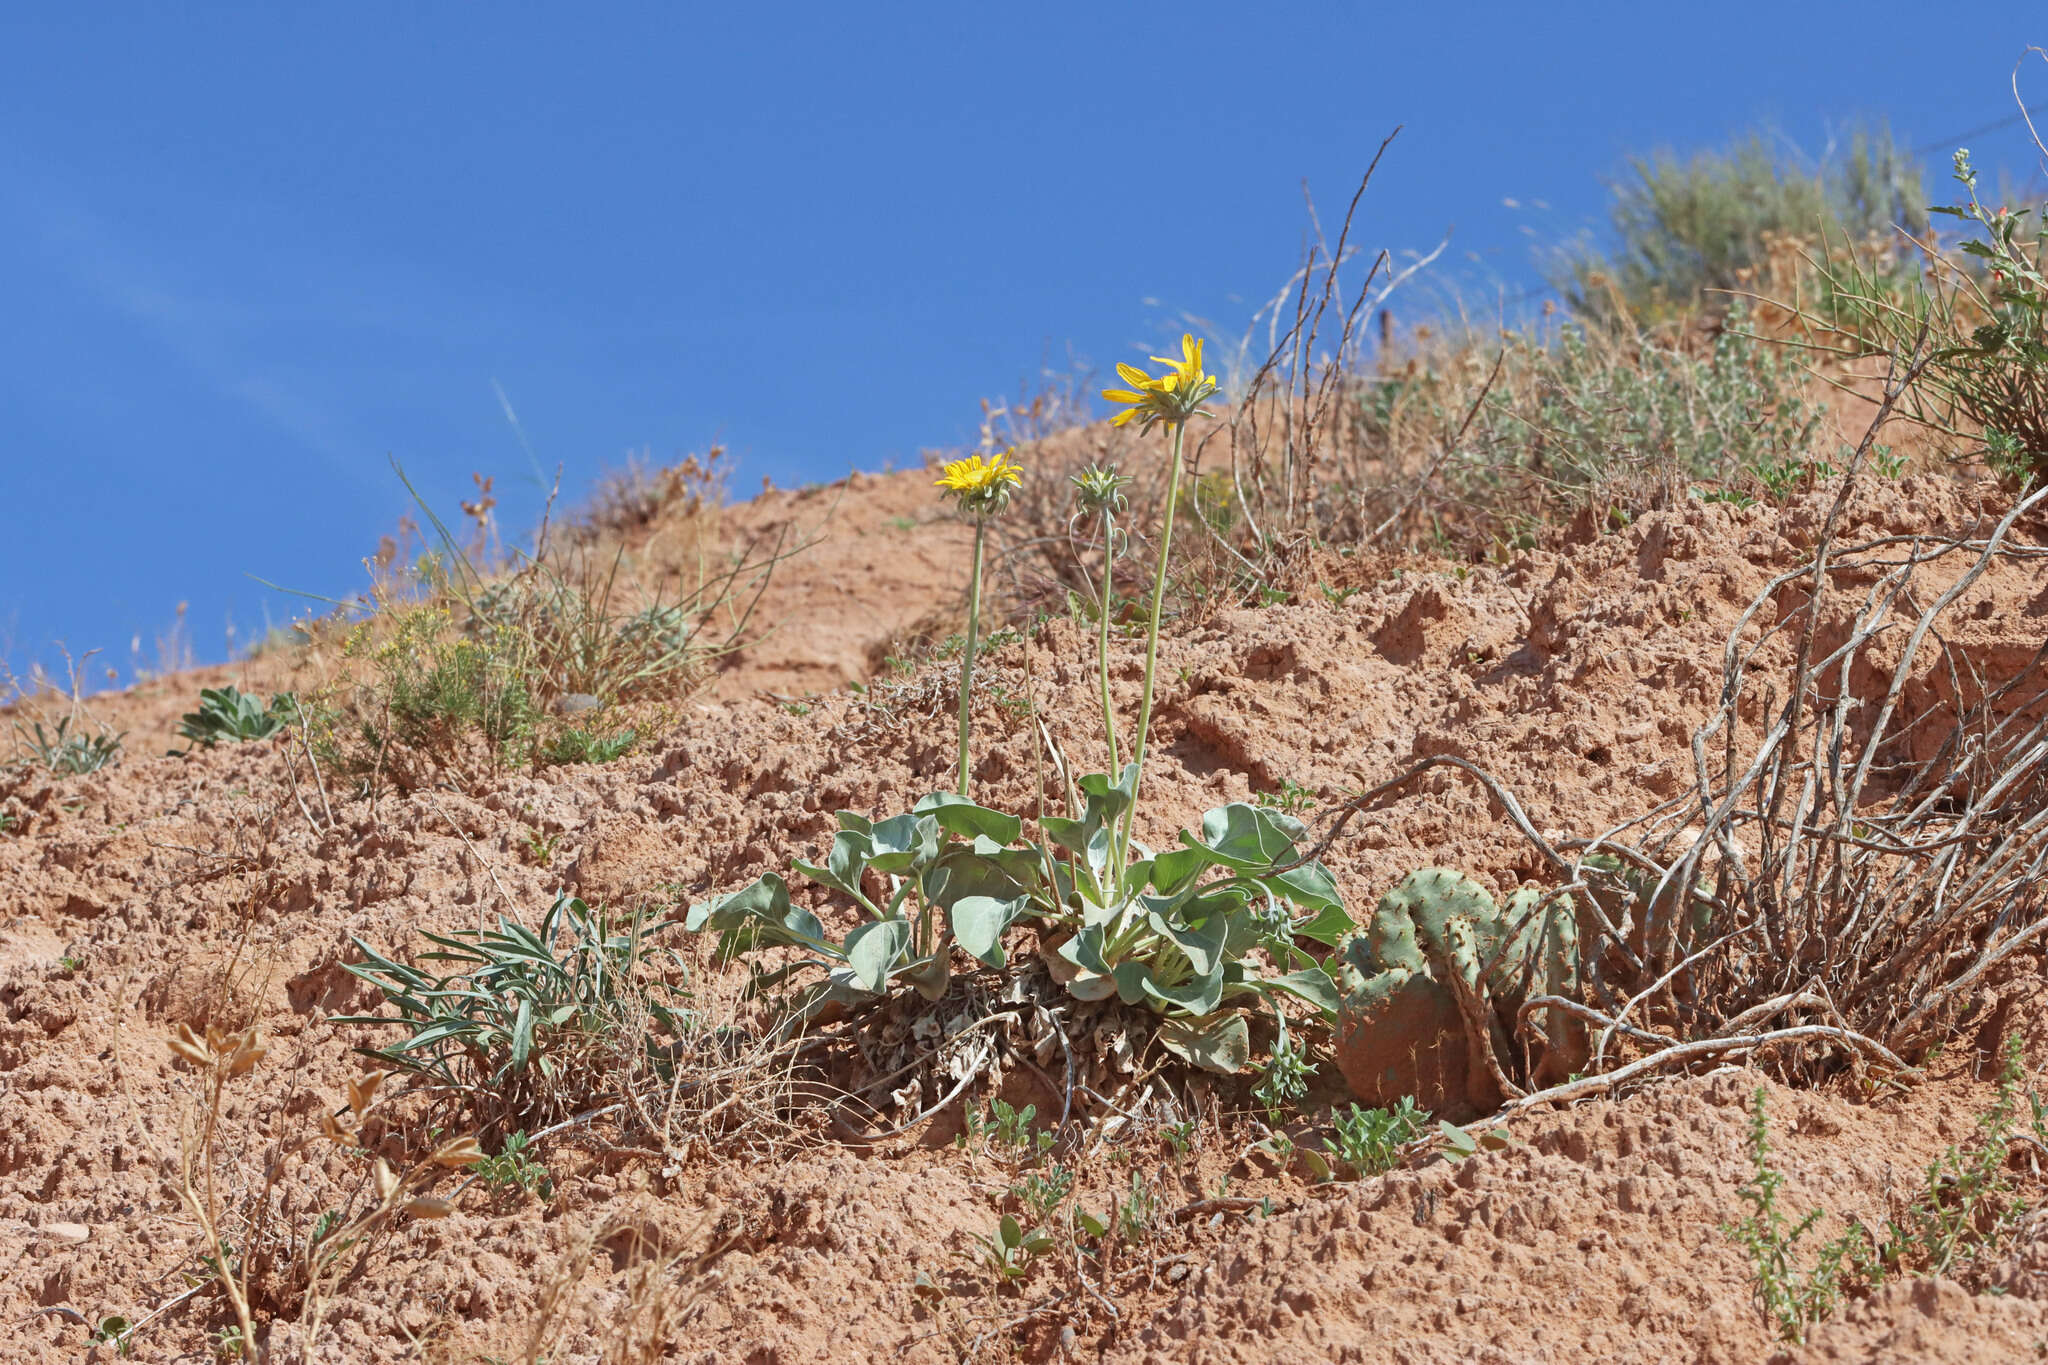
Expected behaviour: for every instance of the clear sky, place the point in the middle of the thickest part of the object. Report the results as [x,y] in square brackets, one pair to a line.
[249,252]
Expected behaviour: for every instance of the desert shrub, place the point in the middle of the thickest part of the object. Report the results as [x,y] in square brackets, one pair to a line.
[1969,1203]
[463,663]
[514,1168]
[1560,420]
[1966,1210]
[533,1022]
[1683,228]
[1969,323]
[229,714]
[426,690]
[272,1258]
[586,744]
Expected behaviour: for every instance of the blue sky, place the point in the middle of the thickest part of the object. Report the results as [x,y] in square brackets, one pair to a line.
[249,253]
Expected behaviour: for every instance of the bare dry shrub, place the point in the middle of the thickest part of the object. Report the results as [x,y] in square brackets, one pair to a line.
[1864,841]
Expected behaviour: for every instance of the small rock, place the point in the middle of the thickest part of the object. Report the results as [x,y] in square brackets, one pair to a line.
[576,703]
[69,1233]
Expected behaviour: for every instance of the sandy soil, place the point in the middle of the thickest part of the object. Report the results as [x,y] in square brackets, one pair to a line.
[192,890]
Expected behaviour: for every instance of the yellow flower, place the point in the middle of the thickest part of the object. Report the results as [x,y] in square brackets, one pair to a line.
[1173,396]
[982,484]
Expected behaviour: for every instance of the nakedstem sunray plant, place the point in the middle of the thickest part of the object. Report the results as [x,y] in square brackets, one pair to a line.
[1173,397]
[1193,933]
[1101,495]
[982,489]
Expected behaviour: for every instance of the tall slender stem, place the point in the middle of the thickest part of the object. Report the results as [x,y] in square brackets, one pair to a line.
[1102,626]
[973,640]
[1152,644]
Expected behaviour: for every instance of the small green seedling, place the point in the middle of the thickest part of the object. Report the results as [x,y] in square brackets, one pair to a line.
[1010,1252]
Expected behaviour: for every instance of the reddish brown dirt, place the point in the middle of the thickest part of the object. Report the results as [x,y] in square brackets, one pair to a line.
[193,890]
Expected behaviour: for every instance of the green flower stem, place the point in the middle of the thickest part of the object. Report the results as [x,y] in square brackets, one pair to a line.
[1152,644]
[973,640]
[1102,625]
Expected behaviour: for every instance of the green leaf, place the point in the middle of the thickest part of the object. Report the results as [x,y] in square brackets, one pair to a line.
[959,816]
[1329,926]
[1009,1233]
[522,1035]
[761,913]
[1071,835]
[1175,868]
[1247,837]
[1309,885]
[1203,943]
[1221,1043]
[873,949]
[1107,800]
[767,896]
[969,871]
[1198,995]
[1090,1224]
[1084,949]
[904,841]
[979,922]
[1458,1143]
[1311,985]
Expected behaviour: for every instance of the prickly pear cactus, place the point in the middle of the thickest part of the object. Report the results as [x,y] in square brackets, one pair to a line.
[1438,959]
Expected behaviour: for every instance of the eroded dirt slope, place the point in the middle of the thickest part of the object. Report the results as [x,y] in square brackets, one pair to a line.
[194,890]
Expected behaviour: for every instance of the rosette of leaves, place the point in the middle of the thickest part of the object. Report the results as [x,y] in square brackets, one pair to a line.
[948,872]
[228,713]
[1188,934]
[1182,932]
[533,1016]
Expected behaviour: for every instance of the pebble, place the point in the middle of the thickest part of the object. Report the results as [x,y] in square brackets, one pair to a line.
[69,1233]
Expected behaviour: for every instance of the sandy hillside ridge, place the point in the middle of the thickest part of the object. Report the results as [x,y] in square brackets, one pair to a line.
[192,890]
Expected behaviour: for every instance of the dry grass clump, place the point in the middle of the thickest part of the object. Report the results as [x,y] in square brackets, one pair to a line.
[1469,439]
[641,494]
[471,662]
[635,1319]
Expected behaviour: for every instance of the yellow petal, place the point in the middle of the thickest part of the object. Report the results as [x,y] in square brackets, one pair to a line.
[1134,376]
[1126,415]
[1123,396]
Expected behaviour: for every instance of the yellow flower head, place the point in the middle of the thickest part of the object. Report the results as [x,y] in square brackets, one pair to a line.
[982,484]
[1174,396]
